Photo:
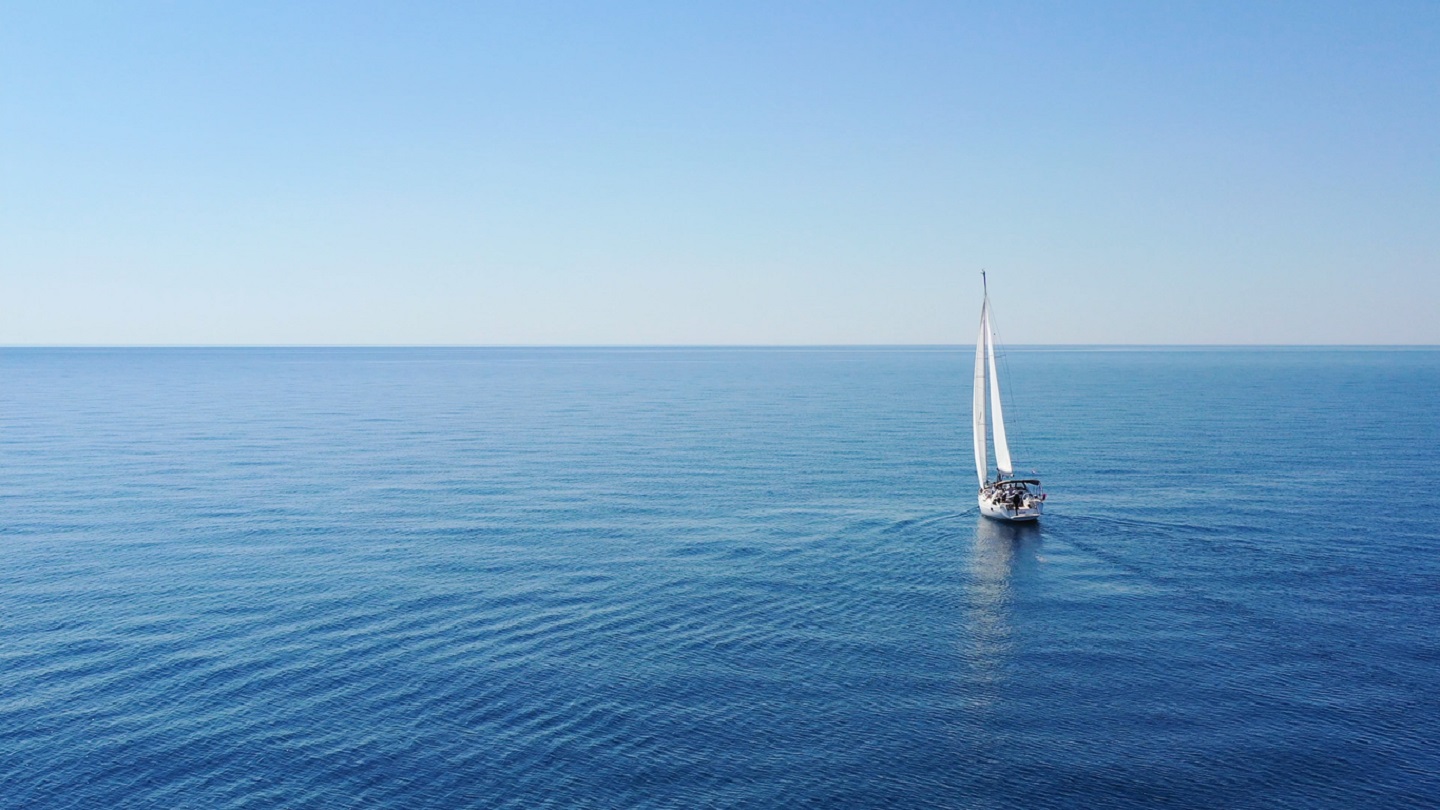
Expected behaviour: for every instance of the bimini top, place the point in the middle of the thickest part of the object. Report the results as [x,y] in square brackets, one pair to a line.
[1017,481]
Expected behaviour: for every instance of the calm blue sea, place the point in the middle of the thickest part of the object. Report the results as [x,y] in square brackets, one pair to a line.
[693,578]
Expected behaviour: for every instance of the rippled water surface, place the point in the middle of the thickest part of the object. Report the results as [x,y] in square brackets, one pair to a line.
[529,578]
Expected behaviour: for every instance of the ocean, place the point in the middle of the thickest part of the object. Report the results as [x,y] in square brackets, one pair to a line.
[716,578]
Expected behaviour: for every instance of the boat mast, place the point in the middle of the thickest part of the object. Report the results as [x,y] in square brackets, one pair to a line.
[997,421]
[982,465]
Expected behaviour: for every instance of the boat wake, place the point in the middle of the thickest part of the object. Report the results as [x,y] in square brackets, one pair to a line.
[1140,548]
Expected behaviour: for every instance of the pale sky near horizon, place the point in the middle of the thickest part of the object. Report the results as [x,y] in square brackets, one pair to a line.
[726,173]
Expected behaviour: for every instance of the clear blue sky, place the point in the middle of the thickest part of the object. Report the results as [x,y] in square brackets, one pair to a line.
[752,173]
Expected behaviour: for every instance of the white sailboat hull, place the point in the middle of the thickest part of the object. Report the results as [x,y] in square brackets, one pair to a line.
[1008,513]
[1015,500]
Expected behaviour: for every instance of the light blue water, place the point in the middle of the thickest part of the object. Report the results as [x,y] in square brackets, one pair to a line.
[412,578]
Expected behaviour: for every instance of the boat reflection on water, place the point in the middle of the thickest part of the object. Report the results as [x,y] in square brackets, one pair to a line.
[1000,557]
[1015,542]
[999,552]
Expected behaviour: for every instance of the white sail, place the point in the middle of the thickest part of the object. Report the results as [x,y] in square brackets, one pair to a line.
[1002,447]
[982,465]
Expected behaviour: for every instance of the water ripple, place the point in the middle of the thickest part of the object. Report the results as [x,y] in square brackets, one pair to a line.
[704,578]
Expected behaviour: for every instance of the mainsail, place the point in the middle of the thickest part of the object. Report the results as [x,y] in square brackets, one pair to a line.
[1002,448]
[982,466]
[985,359]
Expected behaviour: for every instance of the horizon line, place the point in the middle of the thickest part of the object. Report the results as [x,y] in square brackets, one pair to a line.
[712,345]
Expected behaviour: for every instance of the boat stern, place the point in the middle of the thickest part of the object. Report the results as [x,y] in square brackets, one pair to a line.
[1012,500]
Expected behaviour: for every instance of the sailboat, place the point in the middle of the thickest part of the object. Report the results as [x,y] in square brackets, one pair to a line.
[1004,497]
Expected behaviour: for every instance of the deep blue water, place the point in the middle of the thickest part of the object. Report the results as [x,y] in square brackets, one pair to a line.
[676,578]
